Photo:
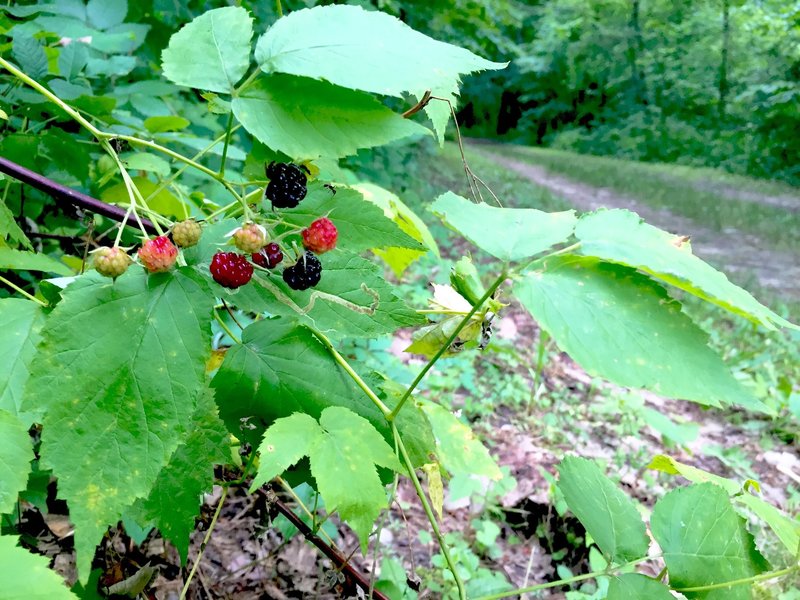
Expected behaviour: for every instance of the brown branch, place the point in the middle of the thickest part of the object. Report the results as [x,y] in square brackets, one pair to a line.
[64,195]
[339,560]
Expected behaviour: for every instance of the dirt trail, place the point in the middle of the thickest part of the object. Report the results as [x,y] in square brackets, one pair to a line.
[739,254]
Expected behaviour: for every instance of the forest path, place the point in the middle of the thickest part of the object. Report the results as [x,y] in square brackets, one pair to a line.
[740,254]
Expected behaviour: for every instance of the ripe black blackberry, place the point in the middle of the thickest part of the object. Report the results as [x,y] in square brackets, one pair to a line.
[287,185]
[305,273]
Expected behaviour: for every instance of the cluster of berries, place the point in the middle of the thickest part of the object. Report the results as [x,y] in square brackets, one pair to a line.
[287,187]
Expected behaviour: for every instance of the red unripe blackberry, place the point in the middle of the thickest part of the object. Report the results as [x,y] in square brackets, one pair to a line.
[268,257]
[320,236]
[158,255]
[231,270]
[305,273]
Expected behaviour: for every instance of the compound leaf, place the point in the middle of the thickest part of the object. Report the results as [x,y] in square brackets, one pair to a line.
[305,119]
[506,233]
[705,542]
[27,576]
[365,50]
[20,323]
[117,376]
[343,464]
[212,52]
[16,453]
[608,514]
[621,325]
[621,236]
[281,368]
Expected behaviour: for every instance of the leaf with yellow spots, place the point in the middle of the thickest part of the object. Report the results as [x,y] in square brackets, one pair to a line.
[435,486]
[621,325]
[117,376]
[344,450]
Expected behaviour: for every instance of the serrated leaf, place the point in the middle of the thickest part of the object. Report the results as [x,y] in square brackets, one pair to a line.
[620,325]
[20,323]
[174,502]
[459,451]
[285,442]
[633,586]
[787,530]
[18,260]
[704,542]
[16,453]
[343,463]
[29,54]
[104,14]
[509,234]
[374,309]
[27,576]
[72,59]
[361,224]
[621,236]
[116,377]
[306,119]
[212,52]
[366,50]
[281,369]
[609,515]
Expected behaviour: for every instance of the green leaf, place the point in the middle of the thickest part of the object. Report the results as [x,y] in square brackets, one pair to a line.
[506,233]
[17,260]
[27,576]
[16,453]
[304,118]
[281,368]
[164,202]
[72,59]
[174,502]
[29,53]
[119,367]
[622,326]
[621,236]
[397,257]
[369,51]
[285,442]
[459,451]
[705,542]
[374,308]
[160,124]
[9,230]
[343,463]
[143,161]
[787,529]
[610,517]
[212,52]
[104,14]
[361,224]
[20,322]
[633,586]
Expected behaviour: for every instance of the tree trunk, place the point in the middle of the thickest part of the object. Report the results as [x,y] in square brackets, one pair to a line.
[723,65]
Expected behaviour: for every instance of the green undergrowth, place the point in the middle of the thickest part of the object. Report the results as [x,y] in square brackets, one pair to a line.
[710,196]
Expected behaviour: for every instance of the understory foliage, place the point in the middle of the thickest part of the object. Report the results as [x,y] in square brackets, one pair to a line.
[127,390]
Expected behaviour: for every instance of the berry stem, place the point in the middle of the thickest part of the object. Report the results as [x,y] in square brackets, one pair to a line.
[426,506]
[228,131]
[225,327]
[443,348]
[205,543]
[14,286]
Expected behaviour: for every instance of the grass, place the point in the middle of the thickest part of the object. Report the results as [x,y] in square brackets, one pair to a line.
[704,195]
